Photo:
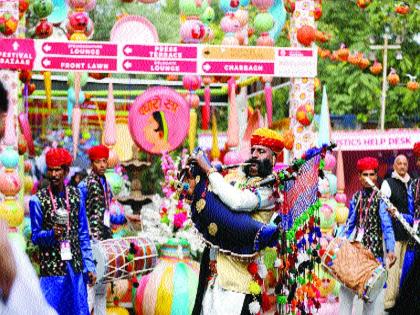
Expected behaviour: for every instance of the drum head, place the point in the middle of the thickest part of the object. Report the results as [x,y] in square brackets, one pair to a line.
[376,284]
[101,260]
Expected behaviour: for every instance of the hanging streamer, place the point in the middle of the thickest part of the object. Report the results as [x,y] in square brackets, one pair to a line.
[192,133]
[268,91]
[205,110]
[47,84]
[233,124]
[215,152]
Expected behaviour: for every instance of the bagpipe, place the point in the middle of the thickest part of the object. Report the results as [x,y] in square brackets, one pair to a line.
[236,232]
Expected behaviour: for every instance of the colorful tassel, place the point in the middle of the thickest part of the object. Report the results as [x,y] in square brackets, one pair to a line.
[77,114]
[47,84]
[215,152]
[192,133]
[110,134]
[205,110]
[233,123]
[268,91]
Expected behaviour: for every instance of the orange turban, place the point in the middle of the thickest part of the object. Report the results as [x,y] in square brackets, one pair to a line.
[367,163]
[98,152]
[268,138]
[58,157]
[416,149]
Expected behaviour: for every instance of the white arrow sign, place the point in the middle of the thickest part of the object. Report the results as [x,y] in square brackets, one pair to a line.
[128,50]
[46,62]
[47,48]
[206,67]
[127,64]
[15,46]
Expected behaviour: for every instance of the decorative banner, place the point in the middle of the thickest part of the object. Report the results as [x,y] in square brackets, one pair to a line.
[159,120]
[126,57]
[374,140]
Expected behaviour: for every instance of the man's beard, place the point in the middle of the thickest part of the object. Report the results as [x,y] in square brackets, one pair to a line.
[265,167]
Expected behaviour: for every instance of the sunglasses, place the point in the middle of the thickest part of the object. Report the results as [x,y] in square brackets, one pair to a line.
[368,174]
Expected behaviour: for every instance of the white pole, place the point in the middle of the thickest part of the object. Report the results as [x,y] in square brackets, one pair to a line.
[384,82]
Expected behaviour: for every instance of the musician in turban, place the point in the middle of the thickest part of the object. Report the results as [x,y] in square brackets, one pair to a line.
[369,223]
[60,230]
[408,301]
[229,290]
[96,197]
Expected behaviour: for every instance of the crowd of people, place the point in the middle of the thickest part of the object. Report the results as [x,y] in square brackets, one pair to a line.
[67,219]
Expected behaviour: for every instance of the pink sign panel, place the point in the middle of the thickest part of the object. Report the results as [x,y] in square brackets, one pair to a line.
[161,51]
[80,49]
[159,120]
[284,52]
[238,67]
[17,54]
[79,64]
[160,66]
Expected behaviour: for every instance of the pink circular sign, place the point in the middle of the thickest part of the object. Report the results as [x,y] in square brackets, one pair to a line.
[159,120]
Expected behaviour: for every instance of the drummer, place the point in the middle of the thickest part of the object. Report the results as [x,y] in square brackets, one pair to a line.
[96,196]
[369,223]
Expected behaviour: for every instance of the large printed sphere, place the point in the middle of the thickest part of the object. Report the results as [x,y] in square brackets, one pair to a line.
[230,24]
[305,114]
[12,212]
[170,288]
[10,182]
[208,15]
[42,8]
[330,162]
[263,22]
[332,180]
[327,215]
[229,5]
[84,5]
[341,214]
[192,31]
[191,82]
[263,5]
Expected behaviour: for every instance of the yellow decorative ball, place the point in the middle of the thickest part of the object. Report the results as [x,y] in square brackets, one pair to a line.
[116,311]
[28,183]
[341,214]
[78,36]
[254,288]
[12,212]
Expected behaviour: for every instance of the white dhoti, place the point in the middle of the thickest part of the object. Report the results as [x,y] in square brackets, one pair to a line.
[97,298]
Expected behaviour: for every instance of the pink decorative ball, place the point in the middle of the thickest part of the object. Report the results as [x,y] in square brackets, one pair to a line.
[340,197]
[230,24]
[192,31]
[330,162]
[193,100]
[263,5]
[191,82]
[230,41]
[113,159]
[265,40]
[85,5]
[232,157]
[10,183]
[242,16]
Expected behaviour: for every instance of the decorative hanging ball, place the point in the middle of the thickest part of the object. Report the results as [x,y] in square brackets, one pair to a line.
[230,24]
[317,11]
[402,8]
[44,29]
[191,82]
[243,16]
[28,184]
[8,24]
[332,182]
[27,166]
[12,212]
[192,7]
[229,5]
[412,85]
[289,139]
[78,36]
[230,41]
[340,197]
[363,4]
[9,158]
[376,68]
[364,63]
[306,35]
[343,52]
[265,40]
[113,159]
[79,21]
[10,183]
[263,5]
[192,31]
[393,77]
[82,5]
[25,76]
[23,7]
[116,310]
[193,100]
[330,162]
[289,5]
[208,15]
[22,147]
[305,114]
[341,214]
[115,181]
[263,22]
[117,290]
[42,8]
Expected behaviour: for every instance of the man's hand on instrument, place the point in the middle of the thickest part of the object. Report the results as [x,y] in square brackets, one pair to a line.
[58,231]
[92,278]
[390,259]
[392,211]
[200,160]
[134,218]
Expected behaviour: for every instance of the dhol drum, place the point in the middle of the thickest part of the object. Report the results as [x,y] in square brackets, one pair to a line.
[355,267]
[115,261]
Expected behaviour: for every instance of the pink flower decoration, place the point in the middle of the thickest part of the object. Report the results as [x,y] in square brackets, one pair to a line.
[179,219]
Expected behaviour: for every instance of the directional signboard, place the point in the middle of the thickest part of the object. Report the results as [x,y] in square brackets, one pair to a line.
[158,58]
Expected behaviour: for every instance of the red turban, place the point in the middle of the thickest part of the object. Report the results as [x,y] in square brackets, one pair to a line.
[268,138]
[58,157]
[416,149]
[98,152]
[367,163]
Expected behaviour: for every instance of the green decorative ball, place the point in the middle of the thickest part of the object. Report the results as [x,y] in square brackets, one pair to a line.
[189,7]
[42,8]
[208,15]
[115,181]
